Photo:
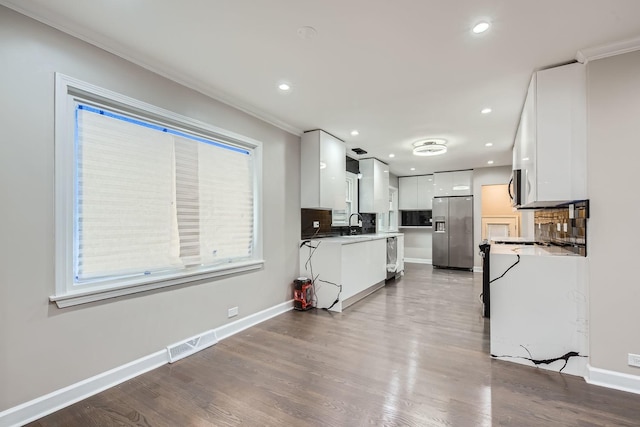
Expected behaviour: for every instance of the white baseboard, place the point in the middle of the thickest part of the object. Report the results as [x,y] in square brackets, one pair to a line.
[613,379]
[418,260]
[54,401]
[240,325]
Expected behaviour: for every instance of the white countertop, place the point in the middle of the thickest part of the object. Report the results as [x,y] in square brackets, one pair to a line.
[530,250]
[346,240]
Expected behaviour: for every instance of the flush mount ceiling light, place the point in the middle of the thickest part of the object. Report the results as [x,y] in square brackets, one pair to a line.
[413,169]
[429,147]
[355,133]
[489,144]
[490,162]
[285,87]
[392,155]
[486,110]
[480,27]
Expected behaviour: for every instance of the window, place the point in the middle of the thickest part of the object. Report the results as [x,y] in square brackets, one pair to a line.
[340,217]
[146,198]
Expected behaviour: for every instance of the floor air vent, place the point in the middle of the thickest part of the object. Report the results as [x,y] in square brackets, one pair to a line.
[192,345]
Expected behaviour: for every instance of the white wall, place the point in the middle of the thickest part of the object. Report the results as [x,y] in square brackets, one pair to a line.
[613,134]
[484,176]
[417,243]
[43,348]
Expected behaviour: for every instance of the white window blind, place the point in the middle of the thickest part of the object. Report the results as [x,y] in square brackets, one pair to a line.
[154,199]
[146,198]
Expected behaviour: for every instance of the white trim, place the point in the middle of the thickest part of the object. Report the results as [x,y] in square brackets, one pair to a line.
[67,91]
[54,401]
[165,72]
[417,260]
[613,379]
[605,51]
[97,294]
[49,403]
[477,269]
[240,325]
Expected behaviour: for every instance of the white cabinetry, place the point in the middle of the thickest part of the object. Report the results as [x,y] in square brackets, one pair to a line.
[456,183]
[551,143]
[322,171]
[416,192]
[374,186]
[359,267]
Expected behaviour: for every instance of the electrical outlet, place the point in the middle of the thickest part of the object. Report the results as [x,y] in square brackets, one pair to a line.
[233,311]
[316,224]
[634,360]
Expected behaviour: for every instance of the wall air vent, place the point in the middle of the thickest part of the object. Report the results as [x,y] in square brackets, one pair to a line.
[192,345]
[358,151]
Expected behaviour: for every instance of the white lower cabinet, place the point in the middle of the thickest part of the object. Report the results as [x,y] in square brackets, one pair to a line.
[539,309]
[358,265]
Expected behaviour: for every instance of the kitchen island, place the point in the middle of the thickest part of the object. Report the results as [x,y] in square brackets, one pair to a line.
[346,269]
[539,307]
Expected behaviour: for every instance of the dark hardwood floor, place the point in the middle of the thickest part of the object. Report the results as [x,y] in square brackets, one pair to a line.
[415,353]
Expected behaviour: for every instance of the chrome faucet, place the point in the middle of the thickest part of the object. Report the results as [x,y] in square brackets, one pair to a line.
[351,229]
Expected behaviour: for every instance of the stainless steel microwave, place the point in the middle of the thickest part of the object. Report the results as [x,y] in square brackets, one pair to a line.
[416,218]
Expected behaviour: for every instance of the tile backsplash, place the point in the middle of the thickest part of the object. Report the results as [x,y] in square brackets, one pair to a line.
[323,217]
[557,227]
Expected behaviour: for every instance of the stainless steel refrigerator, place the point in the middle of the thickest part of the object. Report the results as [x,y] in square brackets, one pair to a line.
[453,232]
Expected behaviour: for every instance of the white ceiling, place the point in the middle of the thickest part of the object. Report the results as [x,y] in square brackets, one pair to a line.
[398,71]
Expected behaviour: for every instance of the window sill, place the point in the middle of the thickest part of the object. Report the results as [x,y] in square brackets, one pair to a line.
[91,295]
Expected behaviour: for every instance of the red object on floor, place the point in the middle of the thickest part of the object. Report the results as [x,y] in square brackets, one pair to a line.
[302,292]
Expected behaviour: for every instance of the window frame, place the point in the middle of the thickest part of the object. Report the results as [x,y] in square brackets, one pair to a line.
[69,91]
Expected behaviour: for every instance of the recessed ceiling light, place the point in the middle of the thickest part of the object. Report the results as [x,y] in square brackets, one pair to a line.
[355,133]
[413,169]
[284,87]
[392,155]
[481,27]
[489,144]
[385,171]
[490,162]
[307,32]
[485,110]
[525,159]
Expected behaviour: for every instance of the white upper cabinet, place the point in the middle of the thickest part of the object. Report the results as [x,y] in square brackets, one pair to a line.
[551,147]
[416,192]
[408,189]
[457,183]
[374,186]
[322,171]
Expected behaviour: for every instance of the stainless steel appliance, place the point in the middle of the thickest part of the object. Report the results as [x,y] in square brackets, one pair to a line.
[392,257]
[515,188]
[416,218]
[453,232]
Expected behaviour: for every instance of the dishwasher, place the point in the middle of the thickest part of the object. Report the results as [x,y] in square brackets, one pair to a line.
[392,257]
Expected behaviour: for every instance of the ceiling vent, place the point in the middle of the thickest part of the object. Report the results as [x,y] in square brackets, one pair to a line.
[358,151]
[429,147]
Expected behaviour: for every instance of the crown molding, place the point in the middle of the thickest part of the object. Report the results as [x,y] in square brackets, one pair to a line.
[172,75]
[607,50]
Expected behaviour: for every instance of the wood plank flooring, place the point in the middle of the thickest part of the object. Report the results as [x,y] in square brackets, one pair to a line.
[415,353]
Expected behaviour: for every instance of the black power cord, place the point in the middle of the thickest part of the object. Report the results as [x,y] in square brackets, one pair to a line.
[309,266]
[505,272]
